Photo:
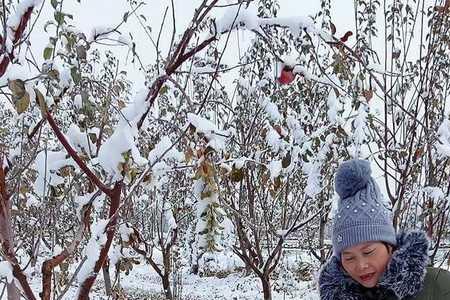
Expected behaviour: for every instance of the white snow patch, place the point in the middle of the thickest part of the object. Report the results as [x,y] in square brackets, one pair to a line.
[77,101]
[332,106]
[273,139]
[275,167]
[47,165]
[216,138]
[93,248]
[162,148]
[443,143]
[6,271]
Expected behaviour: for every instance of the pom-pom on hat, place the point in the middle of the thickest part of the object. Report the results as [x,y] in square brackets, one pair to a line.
[361,215]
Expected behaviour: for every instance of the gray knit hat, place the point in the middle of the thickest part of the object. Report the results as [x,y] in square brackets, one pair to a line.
[361,215]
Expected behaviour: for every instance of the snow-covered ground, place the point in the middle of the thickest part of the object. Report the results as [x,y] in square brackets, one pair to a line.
[143,283]
[234,286]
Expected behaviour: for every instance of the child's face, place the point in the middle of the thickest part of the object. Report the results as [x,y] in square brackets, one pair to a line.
[366,262]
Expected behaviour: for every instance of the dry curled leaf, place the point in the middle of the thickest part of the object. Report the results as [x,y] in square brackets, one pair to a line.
[17,88]
[22,103]
[333,28]
[368,94]
[346,36]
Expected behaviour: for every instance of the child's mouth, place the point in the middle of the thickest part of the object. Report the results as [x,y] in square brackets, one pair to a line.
[367,277]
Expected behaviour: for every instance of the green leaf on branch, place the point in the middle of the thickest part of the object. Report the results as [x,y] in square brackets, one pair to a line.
[59,17]
[81,52]
[76,76]
[163,90]
[48,53]
[125,16]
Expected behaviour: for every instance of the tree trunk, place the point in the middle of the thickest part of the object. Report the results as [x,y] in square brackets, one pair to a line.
[87,284]
[166,286]
[267,289]
[6,230]
[13,294]
[322,225]
[107,279]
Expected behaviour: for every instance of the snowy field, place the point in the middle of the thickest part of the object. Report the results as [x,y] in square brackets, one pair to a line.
[143,283]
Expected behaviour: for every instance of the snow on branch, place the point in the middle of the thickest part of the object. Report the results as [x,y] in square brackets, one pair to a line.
[443,143]
[92,250]
[436,193]
[123,140]
[216,138]
[6,271]
[47,164]
[15,27]
[238,17]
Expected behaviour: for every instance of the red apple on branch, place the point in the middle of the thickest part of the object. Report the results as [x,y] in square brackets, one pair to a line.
[287,75]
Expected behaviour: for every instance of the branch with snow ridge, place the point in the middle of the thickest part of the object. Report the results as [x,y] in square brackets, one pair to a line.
[16,25]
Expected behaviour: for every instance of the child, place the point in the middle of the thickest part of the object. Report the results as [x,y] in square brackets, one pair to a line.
[371,261]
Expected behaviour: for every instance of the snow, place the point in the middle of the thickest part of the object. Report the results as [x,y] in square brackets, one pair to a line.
[132,113]
[79,140]
[120,142]
[360,129]
[273,139]
[226,167]
[125,231]
[282,232]
[164,149]
[31,200]
[124,138]
[15,71]
[443,143]
[296,129]
[93,248]
[313,185]
[82,200]
[239,17]
[6,271]
[275,168]
[289,60]
[14,19]
[434,192]
[163,154]
[47,164]
[216,138]
[144,283]
[305,73]
[114,254]
[240,162]
[168,216]
[77,101]
[271,109]
[332,106]
[205,69]
[65,77]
